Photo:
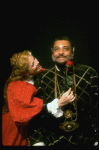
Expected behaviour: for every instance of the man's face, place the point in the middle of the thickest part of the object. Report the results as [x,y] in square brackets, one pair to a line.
[61,51]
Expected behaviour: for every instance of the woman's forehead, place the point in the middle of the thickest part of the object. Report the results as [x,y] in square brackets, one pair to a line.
[31,58]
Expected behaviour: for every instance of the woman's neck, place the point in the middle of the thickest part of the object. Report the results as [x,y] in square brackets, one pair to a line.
[29,77]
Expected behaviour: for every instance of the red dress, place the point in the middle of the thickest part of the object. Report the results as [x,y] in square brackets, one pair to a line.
[22,107]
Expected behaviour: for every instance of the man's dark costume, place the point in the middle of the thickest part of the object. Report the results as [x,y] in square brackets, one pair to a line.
[86,128]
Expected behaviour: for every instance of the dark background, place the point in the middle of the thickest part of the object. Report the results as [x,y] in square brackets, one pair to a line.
[26,28]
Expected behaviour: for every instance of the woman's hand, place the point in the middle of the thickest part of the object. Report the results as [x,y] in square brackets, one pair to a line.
[66,98]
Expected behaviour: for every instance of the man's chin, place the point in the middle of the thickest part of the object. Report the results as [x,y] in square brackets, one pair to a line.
[60,63]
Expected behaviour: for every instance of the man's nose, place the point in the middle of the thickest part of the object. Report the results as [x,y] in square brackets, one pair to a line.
[61,51]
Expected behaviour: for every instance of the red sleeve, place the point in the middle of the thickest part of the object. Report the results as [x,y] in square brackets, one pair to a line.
[21,101]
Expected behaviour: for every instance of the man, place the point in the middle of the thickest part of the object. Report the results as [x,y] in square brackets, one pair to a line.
[78,125]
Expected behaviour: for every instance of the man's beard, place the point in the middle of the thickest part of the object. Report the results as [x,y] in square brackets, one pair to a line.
[60,63]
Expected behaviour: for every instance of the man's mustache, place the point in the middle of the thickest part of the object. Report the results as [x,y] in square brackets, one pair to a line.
[61,55]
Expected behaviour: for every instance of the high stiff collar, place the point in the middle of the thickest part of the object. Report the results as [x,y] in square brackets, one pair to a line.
[57,68]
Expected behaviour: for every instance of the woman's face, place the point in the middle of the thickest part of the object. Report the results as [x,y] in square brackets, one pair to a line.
[34,66]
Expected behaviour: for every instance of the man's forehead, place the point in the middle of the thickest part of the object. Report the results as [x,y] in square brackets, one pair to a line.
[61,43]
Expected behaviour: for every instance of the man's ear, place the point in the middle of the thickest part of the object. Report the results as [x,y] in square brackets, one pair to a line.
[53,58]
[72,55]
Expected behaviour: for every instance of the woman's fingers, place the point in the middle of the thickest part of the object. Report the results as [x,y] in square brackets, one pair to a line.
[72,99]
[69,91]
[66,98]
[70,95]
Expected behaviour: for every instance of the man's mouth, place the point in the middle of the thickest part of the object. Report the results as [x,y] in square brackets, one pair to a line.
[61,56]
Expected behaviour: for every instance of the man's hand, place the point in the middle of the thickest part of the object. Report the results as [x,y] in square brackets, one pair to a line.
[66,98]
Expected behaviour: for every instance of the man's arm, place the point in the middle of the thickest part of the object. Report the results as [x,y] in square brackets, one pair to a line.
[94,103]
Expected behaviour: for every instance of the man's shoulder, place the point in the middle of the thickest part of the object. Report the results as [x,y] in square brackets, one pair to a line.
[85,68]
[50,70]
[82,66]
[43,74]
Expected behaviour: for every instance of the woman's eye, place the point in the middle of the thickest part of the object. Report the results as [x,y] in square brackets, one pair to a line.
[32,64]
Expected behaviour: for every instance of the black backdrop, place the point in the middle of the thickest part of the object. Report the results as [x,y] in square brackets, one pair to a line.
[37,31]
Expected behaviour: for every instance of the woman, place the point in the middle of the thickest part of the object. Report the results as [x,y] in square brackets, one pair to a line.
[20,103]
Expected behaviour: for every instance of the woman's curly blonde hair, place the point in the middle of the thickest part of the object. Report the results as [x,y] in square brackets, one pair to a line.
[20,64]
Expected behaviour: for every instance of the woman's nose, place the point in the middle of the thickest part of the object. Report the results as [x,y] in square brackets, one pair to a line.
[37,61]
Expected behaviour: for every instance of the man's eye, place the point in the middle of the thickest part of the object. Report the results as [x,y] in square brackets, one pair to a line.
[56,49]
[66,48]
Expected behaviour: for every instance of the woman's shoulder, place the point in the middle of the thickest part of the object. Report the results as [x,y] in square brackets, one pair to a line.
[21,89]
[20,85]
[13,84]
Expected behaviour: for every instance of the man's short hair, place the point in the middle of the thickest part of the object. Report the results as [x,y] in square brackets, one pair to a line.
[61,38]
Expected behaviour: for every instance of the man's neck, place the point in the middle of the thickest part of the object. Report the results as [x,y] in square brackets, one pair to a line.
[61,68]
